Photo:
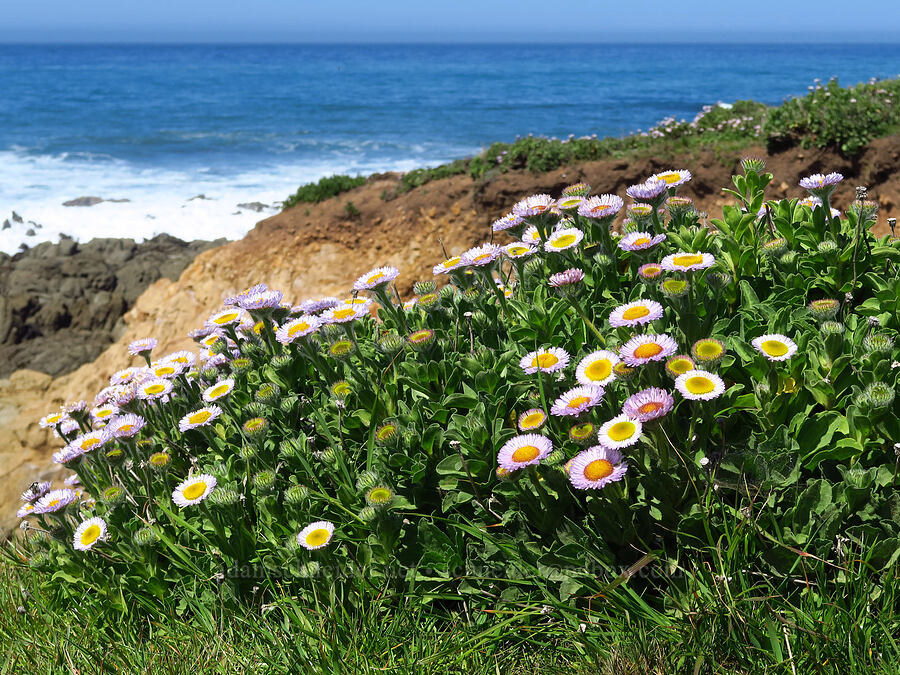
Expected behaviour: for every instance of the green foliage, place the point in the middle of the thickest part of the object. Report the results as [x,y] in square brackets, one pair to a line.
[834,116]
[351,210]
[325,188]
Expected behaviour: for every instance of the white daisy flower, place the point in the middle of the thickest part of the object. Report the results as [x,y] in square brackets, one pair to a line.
[635,313]
[642,349]
[619,432]
[699,385]
[597,368]
[523,450]
[546,360]
[194,490]
[775,347]
[596,468]
[89,533]
[316,535]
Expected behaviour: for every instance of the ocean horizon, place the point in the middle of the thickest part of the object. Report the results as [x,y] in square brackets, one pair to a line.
[186,133]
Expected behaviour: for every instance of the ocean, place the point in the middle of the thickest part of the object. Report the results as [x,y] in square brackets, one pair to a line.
[160,125]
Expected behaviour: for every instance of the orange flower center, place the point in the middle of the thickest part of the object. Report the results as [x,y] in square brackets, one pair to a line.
[598,469]
[545,360]
[647,350]
[633,313]
[525,454]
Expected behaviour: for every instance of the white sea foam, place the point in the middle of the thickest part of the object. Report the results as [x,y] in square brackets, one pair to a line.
[35,186]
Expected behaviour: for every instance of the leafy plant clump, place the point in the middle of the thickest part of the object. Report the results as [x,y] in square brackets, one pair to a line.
[325,188]
[591,399]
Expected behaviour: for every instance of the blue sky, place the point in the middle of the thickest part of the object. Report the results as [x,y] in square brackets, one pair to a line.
[448,21]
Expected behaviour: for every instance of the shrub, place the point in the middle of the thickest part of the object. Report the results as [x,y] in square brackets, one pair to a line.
[566,410]
[325,188]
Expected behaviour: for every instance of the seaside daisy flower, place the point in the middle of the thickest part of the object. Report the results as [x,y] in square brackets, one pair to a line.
[263,299]
[531,420]
[640,241]
[236,299]
[600,206]
[642,349]
[52,419]
[55,500]
[297,328]
[421,338]
[123,376]
[569,202]
[577,400]
[316,535]
[648,404]
[36,491]
[376,278]
[686,262]
[524,450]
[316,306]
[582,432]
[700,385]
[215,360]
[567,278]
[518,250]
[89,533]
[159,461]
[153,388]
[507,222]
[448,265]
[89,441]
[708,350]
[482,255]
[25,510]
[199,418]
[635,313]
[563,239]
[775,347]
[341,389]
[167,369]
[182,357]
[597,368]
[648,191]
[596,468]
[649,271]
[218,390]
[531,235]
[534,205]
[344,314]
[821,185]
[103,413]
[548,360]
[621,431]
[379,496]
[194,490]
[126,426]
[142,346]
[226,317]
[673,177]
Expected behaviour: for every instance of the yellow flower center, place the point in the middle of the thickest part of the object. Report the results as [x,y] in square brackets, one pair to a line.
[164,370]
[180,359]
[297,328]
[680,366]
[597,210]
[53,419]
[452,262]
[518,250]
[525,454]
[53,504]
[89,443]
[652,270]
[649,408]
[699,385]
[545,360]
[621,430]
[598,370]
[532,420]
[318,537]
[687,260]
[194,490]
[540,208]
[483,256]
[155,389]
[641,241]
[598,469]
[669,177]
[221,390]
[211,340]
[774,348]
[420,336]
[709,350]
[582,431]
[578,401]
[380,495]
[633,313]
[341,389]
[103,412]
[225,318]
[258,327]
[355,301]
[343,313]
[647,350]
[90,535]
[126,428]
[199,417]
[159,459]
[375,277]
[564,240]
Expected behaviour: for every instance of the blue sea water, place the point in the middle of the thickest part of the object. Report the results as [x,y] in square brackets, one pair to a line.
[158,124]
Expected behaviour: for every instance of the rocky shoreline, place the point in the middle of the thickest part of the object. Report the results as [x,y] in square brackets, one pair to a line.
[61,304]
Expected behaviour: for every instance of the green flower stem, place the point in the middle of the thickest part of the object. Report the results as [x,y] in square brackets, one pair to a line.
[573,301]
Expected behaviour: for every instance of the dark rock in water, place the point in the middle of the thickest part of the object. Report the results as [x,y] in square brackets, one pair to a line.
[6,225]
[37,226]
[16,217]
[30,232]
[117,201]
[61,304]
[200,196]
[83,201]
[253,206]
[237,213]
